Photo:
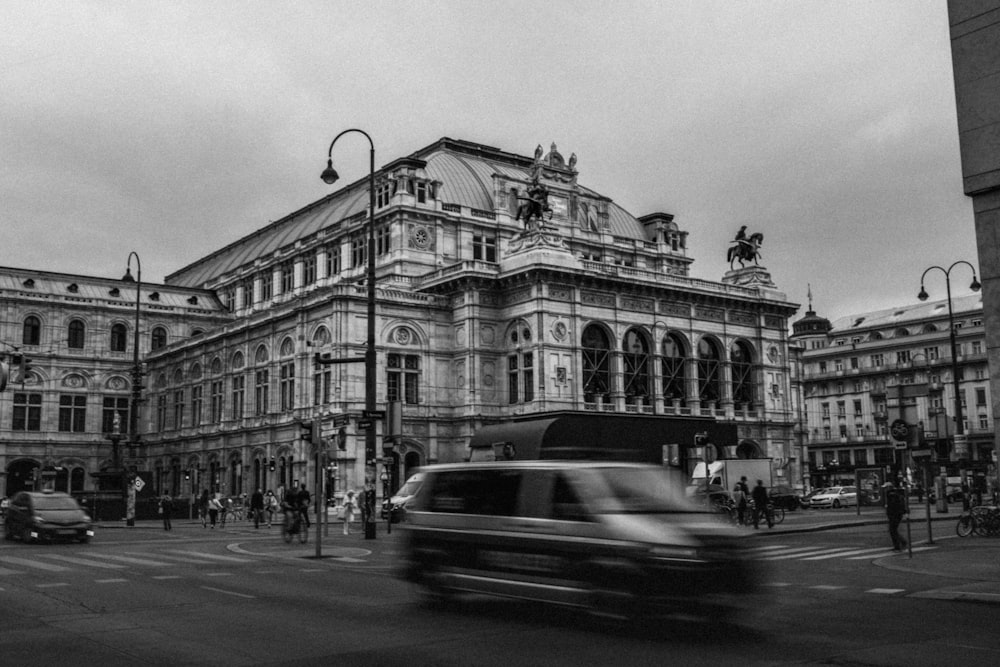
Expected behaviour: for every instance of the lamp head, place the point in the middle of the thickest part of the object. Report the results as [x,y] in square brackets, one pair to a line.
[975,284]
[127,278]
[329,174]
[923,294]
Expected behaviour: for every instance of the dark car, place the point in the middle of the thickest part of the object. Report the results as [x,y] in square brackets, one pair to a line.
[36,515]
[785,497]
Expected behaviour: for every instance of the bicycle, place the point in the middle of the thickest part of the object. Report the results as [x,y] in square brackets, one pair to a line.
[294,525]
[981,520]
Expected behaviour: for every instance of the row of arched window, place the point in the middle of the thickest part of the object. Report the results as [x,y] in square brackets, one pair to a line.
[686,371]
[76,335]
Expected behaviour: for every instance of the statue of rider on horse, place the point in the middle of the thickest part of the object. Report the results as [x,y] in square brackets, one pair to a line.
[744,248]
[534,206]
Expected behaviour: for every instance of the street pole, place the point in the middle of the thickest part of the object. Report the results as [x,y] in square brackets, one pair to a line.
[133,416]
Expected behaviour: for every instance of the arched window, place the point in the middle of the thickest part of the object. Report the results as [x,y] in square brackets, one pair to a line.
[321,337]
[76,478]
[32,331]
[287,347]
[75,334]
[672,366]
[741,364]
[216,366]
[635,364]
[596,351]
[260,357]
[158,338]
[118,337]
[709,389]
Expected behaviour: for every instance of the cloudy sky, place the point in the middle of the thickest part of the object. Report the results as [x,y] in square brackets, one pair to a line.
[175,128]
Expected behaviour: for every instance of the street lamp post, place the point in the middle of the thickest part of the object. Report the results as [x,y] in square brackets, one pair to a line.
[330,176]
[133,412]
[960,445]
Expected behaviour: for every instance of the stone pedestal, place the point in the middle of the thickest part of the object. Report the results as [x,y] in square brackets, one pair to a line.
[749,276]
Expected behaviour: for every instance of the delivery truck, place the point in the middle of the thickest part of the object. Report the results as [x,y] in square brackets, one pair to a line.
[725,473]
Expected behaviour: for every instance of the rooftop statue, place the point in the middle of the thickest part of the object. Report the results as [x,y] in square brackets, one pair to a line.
[744,248]
[533,208]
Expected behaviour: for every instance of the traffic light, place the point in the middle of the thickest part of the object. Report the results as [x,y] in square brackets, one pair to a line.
[270,466]
[306,431]
[187,475]
[708,451]
[342,439]
[25,367]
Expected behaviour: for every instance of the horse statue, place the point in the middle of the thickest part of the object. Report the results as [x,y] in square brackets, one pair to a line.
[535,206]
[745,248]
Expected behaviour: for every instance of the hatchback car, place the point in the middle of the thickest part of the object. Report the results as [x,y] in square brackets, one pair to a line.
[784,497]
[37,515]
[835,497]
[617,539]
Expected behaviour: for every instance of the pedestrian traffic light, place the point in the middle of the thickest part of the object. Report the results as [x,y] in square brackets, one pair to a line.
[270,466]
[187,475]
[25,367]
[342,438]
[306,431]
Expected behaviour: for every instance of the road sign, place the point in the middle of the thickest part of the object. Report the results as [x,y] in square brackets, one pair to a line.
[387,461]
[365,424]
[341,420]
[373,414]
[139,483]
[920,453]
[899,429]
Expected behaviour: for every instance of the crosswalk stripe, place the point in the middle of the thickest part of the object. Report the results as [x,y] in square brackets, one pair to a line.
[84,561]
[886,591]
[794,550]
[136,561]
[231,559]
[179,559]
[4,572]
[843,554]
[800,554]
[38,565]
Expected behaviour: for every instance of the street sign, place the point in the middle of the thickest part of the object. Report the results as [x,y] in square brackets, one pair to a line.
[139,483]
[365,424]
[373,414]
[920,453]
[341,420]
[387,461]
[899,429]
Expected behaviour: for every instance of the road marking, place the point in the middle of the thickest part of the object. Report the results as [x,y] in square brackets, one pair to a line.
[778,584]
[110,581]
[314,569]
[34,563]
[53,585]
[179,559]
[812,552]
[844,554]
[827,587]
[167,576]
[84,561]
[886,591]
[225,592]
[137,561]
[4,572]
[218,574]
[229,559]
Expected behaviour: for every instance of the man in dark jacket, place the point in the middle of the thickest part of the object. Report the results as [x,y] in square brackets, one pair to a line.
[257,507]
[304,501]
[895,509]
[760,502]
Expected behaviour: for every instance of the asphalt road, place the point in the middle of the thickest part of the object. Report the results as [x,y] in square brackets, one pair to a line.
[243,597]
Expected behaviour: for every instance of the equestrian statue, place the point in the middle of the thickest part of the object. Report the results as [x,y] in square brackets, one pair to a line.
[535,206]
[745,248]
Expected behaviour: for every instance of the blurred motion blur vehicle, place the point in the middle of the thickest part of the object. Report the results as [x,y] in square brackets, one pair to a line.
[38,515]
[396,506]
[785,497]
[617,539]
[835,497]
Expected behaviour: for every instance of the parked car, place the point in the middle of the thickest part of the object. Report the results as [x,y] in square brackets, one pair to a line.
[835,497]
[397,503]
[806,500]
[785,497]
[618,539]
[49,515]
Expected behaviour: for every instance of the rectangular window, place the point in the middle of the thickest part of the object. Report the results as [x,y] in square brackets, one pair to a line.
[161,412]
[977,347]
[877,360]
[382,194]
[826,410]
[309,269]
[931,353]
[266,285]
[114,405]
[984,422]
[854,363]
[260,392]
[248,293]
[239,395]
[822,367]
[857,408]
[961,395]
[421,192]
[229,298]
[383,240]
[196,402]
[980,395]
[838,365]
[287,276]
[287,386]
[884,456]
[827,433]
[179,408]
[521,378]
[484,247]
[322,378]
[903,357]
[27,412]
[860,457]
[358,244]
[403,378]
[72,413]
[333,259]
[216,398]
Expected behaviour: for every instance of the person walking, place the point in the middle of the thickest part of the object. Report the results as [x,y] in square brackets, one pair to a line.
[895,510]
[214,506]
[350,505]
[304,500]
[760,502]
[166,504]
[203,507]
[740,498]
[257,507]
[271,505]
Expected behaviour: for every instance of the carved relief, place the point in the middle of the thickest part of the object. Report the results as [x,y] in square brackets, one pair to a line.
[642,305]
[706,313]
[597,299]
[560,293]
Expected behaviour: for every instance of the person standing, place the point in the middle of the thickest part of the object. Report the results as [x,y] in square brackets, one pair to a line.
[304,500]
[257,507]
[740,498]
[213,509]
[350,504]
[166,503]
[203,508]
[760,502]
[895,510]
[271,504]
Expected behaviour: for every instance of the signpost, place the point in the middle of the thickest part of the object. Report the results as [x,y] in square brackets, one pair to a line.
[341,420]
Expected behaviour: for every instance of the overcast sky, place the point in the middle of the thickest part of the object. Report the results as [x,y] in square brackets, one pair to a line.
[174,128]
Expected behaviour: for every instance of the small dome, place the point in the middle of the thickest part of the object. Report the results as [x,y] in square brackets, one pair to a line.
[811,325]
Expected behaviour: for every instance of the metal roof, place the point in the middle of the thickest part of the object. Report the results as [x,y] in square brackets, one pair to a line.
[918,312]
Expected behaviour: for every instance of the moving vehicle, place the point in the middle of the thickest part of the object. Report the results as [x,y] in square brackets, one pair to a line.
[835,497]
[48,515]
[617,539]
[784,497]
[397,503]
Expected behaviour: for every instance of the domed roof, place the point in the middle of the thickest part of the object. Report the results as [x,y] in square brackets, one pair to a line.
[811,324]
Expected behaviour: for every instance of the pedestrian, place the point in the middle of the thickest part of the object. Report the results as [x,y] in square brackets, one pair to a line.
[304,500]
[271,505]
[740,499]
[350,505]
[257,506]
[920,492]
[760,502]
[203,507]
[895,510]
[166,504]
[225,506]
[214,506]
